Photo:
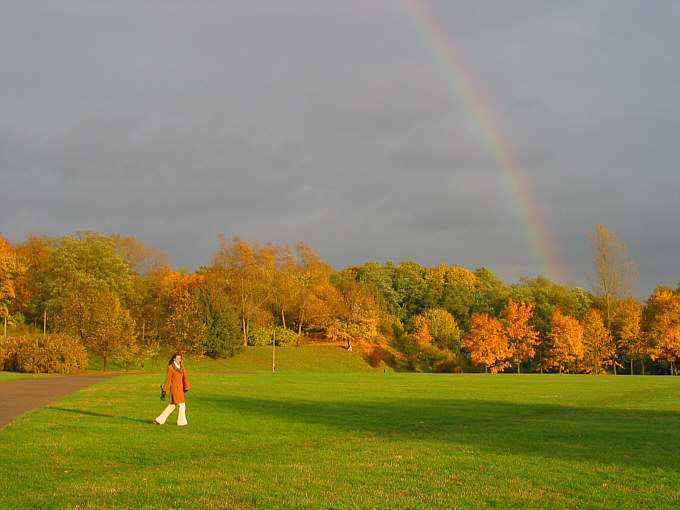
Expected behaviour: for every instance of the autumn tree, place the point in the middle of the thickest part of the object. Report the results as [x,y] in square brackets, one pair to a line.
[140,257]
[631,341]
[614,273]
[598,344]
[565,342]
[487,342]
[663,325]
[311,278]
[356,317]
[184,329]
[151,309]
[521,335]
[249,274]
[7,293]
[32,255]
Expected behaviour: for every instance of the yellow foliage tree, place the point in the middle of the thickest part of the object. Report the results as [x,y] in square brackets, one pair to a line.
[356,317]
[421,333]
[487,342]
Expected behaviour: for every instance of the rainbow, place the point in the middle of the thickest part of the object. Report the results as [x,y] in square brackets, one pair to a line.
[462,79]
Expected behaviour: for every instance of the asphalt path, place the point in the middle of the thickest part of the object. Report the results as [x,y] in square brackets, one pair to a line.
[20,395]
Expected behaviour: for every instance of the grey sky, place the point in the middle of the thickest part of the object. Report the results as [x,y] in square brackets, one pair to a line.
[334,122]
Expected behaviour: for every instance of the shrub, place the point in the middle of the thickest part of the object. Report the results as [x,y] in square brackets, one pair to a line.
[261,337]
[54,354]
[286,337]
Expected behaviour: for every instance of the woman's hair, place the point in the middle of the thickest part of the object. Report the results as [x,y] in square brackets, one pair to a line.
[173,358]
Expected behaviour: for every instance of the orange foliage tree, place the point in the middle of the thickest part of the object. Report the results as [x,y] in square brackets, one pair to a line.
[487,342]
[664,326]
[631,341]
[566,342]
[599,346]
[7,293]
[521,335]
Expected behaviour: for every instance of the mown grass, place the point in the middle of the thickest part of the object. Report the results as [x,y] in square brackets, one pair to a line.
[345,440]
[8,376]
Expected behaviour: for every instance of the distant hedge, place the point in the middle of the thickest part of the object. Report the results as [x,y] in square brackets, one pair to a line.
[37,354]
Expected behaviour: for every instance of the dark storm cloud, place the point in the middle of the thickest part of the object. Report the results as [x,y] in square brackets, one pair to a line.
[335,123]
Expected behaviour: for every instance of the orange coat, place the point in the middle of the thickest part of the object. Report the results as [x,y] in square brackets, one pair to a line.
[177,383]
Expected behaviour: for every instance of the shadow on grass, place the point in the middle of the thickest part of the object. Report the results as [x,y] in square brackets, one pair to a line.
[98,415]
[621,437]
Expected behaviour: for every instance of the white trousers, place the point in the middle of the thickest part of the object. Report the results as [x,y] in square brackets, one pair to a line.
[181,417]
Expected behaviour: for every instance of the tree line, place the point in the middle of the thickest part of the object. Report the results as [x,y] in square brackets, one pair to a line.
[118,299]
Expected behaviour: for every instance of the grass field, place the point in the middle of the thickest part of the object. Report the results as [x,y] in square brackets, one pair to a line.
[350,440]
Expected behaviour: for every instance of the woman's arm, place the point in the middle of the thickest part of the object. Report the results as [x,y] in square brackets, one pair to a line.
[168,379]
[185,380]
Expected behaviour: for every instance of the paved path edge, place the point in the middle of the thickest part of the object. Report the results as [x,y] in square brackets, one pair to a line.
[18,396]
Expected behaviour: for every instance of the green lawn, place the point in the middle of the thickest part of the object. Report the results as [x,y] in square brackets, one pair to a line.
[8,376]
[349,440]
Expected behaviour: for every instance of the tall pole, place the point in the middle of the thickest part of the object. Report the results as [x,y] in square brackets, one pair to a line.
[274,352]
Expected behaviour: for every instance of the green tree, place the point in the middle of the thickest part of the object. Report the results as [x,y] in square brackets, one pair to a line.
[408,281]
[444,330]
[92,313]
[222,335]
[88,255]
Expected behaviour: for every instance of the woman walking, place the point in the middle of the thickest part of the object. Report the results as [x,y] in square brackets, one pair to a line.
[177,383]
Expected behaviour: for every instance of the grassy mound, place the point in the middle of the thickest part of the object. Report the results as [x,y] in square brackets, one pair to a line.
[307,358]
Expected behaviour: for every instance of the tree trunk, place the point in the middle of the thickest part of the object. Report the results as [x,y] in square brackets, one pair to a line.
[283,318]
[631,366]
